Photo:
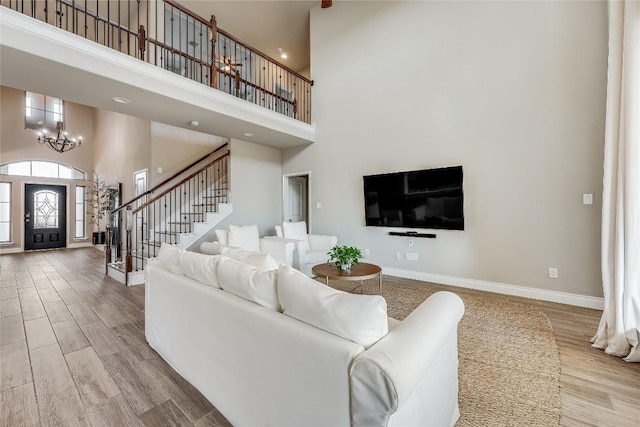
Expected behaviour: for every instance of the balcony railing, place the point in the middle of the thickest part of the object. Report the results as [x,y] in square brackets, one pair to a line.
[169,35]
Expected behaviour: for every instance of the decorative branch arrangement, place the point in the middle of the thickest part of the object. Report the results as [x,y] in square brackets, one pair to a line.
[98,200]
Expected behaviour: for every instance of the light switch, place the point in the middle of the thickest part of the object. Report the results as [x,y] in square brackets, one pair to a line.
[318,205]
[587,199]
[159,169]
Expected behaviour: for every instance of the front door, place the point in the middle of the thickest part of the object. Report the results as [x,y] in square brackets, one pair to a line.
[45,216]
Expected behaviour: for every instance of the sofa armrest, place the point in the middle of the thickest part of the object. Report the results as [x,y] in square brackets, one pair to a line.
[320,242]
[384,377]
[280,249]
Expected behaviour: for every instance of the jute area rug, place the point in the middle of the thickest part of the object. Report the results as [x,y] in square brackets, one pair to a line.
[509,365]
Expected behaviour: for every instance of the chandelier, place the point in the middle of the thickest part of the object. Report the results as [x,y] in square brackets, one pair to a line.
[58,139]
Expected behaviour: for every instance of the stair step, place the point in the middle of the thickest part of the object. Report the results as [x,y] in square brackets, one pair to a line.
[120,266]
[170,233]
[179,222]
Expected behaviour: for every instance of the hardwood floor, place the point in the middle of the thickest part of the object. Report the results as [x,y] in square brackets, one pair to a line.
[73,352]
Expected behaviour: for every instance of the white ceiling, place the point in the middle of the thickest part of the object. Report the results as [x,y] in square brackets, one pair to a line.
[264,24]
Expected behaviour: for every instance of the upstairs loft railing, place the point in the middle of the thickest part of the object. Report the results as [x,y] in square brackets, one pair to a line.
[169,35]
[169,211]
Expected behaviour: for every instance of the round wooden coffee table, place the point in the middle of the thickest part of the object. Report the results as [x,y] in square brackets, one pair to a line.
[361,271]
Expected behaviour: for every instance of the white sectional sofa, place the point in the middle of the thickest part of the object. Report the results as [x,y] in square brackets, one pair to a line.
[276,348]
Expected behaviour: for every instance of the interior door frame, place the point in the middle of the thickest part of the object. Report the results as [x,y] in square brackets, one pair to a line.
[285,195]
[23,192]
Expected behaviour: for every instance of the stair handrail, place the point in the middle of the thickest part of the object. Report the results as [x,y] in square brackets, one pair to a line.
[182,181]
[172,177]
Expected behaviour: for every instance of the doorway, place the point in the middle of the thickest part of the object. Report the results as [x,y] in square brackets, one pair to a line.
[45,216]
[140,184]
[296,198]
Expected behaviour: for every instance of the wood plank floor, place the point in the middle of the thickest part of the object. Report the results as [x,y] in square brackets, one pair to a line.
[73,352]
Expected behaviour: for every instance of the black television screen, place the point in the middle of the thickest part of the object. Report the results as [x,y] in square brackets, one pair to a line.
[430,198]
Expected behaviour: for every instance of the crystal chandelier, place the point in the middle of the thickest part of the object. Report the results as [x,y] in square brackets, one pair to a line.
[58,139]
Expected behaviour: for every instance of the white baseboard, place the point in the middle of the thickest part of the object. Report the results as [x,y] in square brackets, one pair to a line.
[500,288]
[79,245]
[5,251]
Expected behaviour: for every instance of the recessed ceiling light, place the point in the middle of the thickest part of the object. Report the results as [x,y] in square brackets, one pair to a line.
[121,100]
[248,134]
[194,123]
[283,54]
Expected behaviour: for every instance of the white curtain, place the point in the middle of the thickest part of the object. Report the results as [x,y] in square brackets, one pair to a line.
[619,330]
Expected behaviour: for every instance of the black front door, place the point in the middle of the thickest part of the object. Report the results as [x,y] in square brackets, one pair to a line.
[45,216]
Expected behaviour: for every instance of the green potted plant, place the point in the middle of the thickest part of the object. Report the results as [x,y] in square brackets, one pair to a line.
[344,257]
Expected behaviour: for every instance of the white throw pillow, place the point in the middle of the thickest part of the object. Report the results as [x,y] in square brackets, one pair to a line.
[279,233]
[200,267]
[245,237]
[222,236]
[169,257]
[261,261]
[359,318]
[249,283]
[295,230]
[210,248]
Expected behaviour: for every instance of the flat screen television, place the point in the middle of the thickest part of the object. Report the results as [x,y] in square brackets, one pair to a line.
[429,198]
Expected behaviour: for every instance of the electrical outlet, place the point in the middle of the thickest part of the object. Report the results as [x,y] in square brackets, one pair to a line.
[411,256]
[398,256]
[367,252]
[587,199]
[553,273]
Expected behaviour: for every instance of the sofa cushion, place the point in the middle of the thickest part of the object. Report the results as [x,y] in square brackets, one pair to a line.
[279,233]
[295,230]
[359,318]
[210,248]
[169,256]
[222,236]
[245,237]
[249,282]
[200,267]
[259,260]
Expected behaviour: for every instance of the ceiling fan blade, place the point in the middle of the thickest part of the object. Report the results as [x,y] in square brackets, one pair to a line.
[326,3]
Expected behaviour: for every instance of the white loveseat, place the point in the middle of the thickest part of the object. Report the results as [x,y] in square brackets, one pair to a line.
[244,348]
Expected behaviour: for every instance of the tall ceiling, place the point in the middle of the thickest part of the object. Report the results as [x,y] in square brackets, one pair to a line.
[264,24]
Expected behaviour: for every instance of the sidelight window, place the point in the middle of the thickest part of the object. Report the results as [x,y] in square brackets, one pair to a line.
[80,212]
[5,212]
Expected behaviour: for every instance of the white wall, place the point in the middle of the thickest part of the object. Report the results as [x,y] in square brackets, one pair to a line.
[123,146]
[513,91]
[173,148]
[256,188]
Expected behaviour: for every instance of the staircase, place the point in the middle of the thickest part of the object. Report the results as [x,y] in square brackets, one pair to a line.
[179,211]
